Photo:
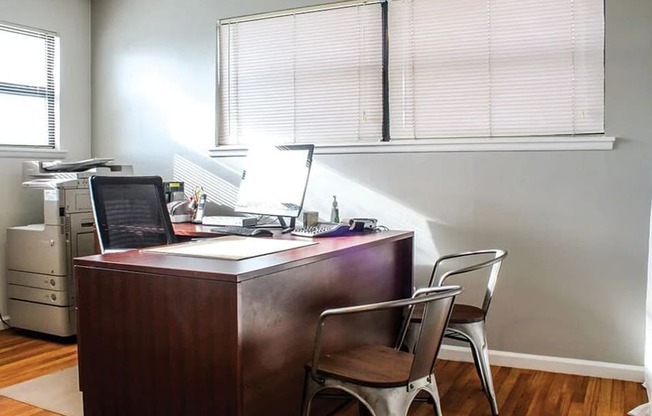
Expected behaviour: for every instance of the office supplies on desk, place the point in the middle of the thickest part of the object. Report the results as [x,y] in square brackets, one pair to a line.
[242,231]
[230,247]
[180,211]
[199,211]
[363,224]
[323,229]
[335,211]
[174,191]
[310,218]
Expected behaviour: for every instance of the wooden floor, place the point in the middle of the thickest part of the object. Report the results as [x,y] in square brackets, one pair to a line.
[24,356]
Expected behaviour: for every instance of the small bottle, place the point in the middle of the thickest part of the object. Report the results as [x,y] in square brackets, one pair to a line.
[335,212]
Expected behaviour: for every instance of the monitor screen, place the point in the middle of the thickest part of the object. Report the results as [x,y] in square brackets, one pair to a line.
[274,180]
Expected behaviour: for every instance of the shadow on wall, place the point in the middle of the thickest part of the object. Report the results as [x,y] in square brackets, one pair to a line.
[220,183]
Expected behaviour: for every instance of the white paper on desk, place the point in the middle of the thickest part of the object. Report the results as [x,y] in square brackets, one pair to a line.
[230,247]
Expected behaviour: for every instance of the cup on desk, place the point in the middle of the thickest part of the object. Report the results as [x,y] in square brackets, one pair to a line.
[310,218]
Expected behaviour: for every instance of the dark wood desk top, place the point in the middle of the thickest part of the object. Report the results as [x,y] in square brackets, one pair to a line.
[188,229]
[236,271]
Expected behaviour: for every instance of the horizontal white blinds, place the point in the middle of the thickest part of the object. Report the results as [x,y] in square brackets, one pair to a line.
[313,76]
[27,87]
[468,68]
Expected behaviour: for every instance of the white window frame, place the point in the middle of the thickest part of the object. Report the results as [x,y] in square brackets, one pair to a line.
[514,143]
[50,91]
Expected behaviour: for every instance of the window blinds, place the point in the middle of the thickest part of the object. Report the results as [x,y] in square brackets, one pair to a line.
[468,68]
[27,87]
[312,75]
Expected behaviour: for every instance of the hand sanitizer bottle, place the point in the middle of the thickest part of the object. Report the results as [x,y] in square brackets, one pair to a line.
[335,212]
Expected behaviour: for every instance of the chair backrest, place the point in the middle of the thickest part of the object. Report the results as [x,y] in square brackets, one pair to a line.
[490,260]
[130,212]
[434,321]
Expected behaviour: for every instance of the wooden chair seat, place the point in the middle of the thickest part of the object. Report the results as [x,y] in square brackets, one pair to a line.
[462,314]
[466,314]
[368,365]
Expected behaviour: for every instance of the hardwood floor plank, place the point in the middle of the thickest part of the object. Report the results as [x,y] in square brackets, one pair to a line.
[24,356]
[11,407]
[633,395]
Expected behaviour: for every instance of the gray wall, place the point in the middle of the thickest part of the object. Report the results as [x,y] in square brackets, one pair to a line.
[71,20]
[575,223]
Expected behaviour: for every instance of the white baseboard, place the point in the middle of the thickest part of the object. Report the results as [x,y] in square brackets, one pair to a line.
[551,364]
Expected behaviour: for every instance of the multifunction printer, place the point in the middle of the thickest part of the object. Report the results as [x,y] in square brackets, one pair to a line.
[39,257]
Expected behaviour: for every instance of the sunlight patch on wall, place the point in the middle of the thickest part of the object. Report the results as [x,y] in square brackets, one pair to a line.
[162,91]
[356,200]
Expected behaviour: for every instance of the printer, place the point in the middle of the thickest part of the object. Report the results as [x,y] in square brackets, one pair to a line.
[39,257]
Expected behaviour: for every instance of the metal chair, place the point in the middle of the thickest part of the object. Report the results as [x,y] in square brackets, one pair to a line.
[385,380]
[467,322]
[130,212]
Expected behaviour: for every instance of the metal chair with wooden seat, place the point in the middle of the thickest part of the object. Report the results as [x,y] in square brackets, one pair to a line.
[385,380]
[467,322]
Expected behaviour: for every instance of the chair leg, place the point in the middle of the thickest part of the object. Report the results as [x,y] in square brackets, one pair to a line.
[433,391]
[476,362]
[477,337]
[377,401]
[310,388]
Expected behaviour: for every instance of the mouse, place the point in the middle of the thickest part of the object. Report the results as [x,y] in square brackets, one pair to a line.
[261,232]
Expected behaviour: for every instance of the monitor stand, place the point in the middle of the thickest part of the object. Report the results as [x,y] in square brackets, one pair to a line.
[286,228]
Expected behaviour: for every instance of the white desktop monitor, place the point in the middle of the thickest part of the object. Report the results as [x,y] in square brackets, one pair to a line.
[274,180]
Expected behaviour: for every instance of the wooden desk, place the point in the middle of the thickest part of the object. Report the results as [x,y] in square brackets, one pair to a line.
[162,334]
[190,230]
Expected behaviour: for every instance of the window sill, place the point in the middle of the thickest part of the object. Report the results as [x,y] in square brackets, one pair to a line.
[32,153]
[511,144]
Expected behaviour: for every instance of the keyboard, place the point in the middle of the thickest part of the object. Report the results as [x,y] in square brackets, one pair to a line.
[241,231]
[323,229]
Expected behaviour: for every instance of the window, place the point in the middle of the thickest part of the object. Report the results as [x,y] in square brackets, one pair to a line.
[431,69]
[309,75]
[495,68]
[28,90]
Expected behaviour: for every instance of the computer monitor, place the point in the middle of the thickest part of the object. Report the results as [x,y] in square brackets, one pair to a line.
[274,181]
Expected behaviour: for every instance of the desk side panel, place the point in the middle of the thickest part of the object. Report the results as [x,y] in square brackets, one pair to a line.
[279,314]
[156,345]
